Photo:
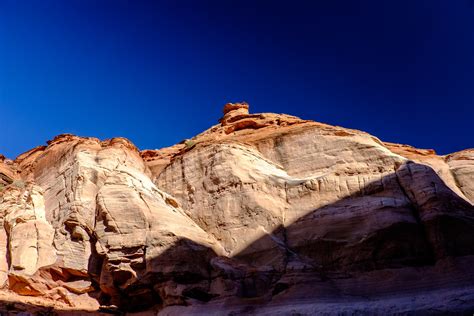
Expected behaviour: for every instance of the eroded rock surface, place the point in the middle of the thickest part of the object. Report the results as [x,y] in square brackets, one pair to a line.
[262,213]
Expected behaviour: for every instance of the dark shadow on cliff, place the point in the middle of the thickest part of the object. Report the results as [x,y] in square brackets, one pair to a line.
[435,224]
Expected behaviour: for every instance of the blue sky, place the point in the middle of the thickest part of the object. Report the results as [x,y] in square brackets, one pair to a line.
[158,72]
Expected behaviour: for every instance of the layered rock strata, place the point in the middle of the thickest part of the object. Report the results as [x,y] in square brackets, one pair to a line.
[262,213]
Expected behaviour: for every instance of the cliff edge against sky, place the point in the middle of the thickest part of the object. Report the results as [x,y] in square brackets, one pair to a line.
[261,213]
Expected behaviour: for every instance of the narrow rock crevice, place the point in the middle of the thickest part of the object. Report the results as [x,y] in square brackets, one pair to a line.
[416,211]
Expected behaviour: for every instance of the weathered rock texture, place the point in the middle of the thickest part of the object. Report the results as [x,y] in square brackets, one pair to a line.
[262,213]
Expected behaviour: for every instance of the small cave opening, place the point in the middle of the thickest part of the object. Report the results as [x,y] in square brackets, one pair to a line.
[280,287]
[199,294]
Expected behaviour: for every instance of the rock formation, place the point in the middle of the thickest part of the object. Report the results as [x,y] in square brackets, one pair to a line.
[262,213]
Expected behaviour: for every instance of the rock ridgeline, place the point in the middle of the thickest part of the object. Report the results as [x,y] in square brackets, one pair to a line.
[260,214]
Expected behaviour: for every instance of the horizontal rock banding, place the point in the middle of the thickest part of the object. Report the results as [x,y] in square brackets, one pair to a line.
[266,207]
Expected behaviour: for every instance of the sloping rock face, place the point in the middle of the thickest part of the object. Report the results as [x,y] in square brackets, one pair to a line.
[262,213]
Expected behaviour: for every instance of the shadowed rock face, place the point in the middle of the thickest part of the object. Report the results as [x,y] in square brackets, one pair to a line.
[262,213]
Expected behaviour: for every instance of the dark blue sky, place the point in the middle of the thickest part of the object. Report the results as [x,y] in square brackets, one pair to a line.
[157,72]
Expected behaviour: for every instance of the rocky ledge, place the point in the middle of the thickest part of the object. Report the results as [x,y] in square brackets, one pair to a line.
[260,214]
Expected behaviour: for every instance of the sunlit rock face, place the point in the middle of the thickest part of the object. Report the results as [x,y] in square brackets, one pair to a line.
[262,213]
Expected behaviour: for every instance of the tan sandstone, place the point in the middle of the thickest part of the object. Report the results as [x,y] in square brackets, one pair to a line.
[263,213]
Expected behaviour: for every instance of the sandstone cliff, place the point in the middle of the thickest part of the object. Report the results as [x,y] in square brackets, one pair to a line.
[262,213]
